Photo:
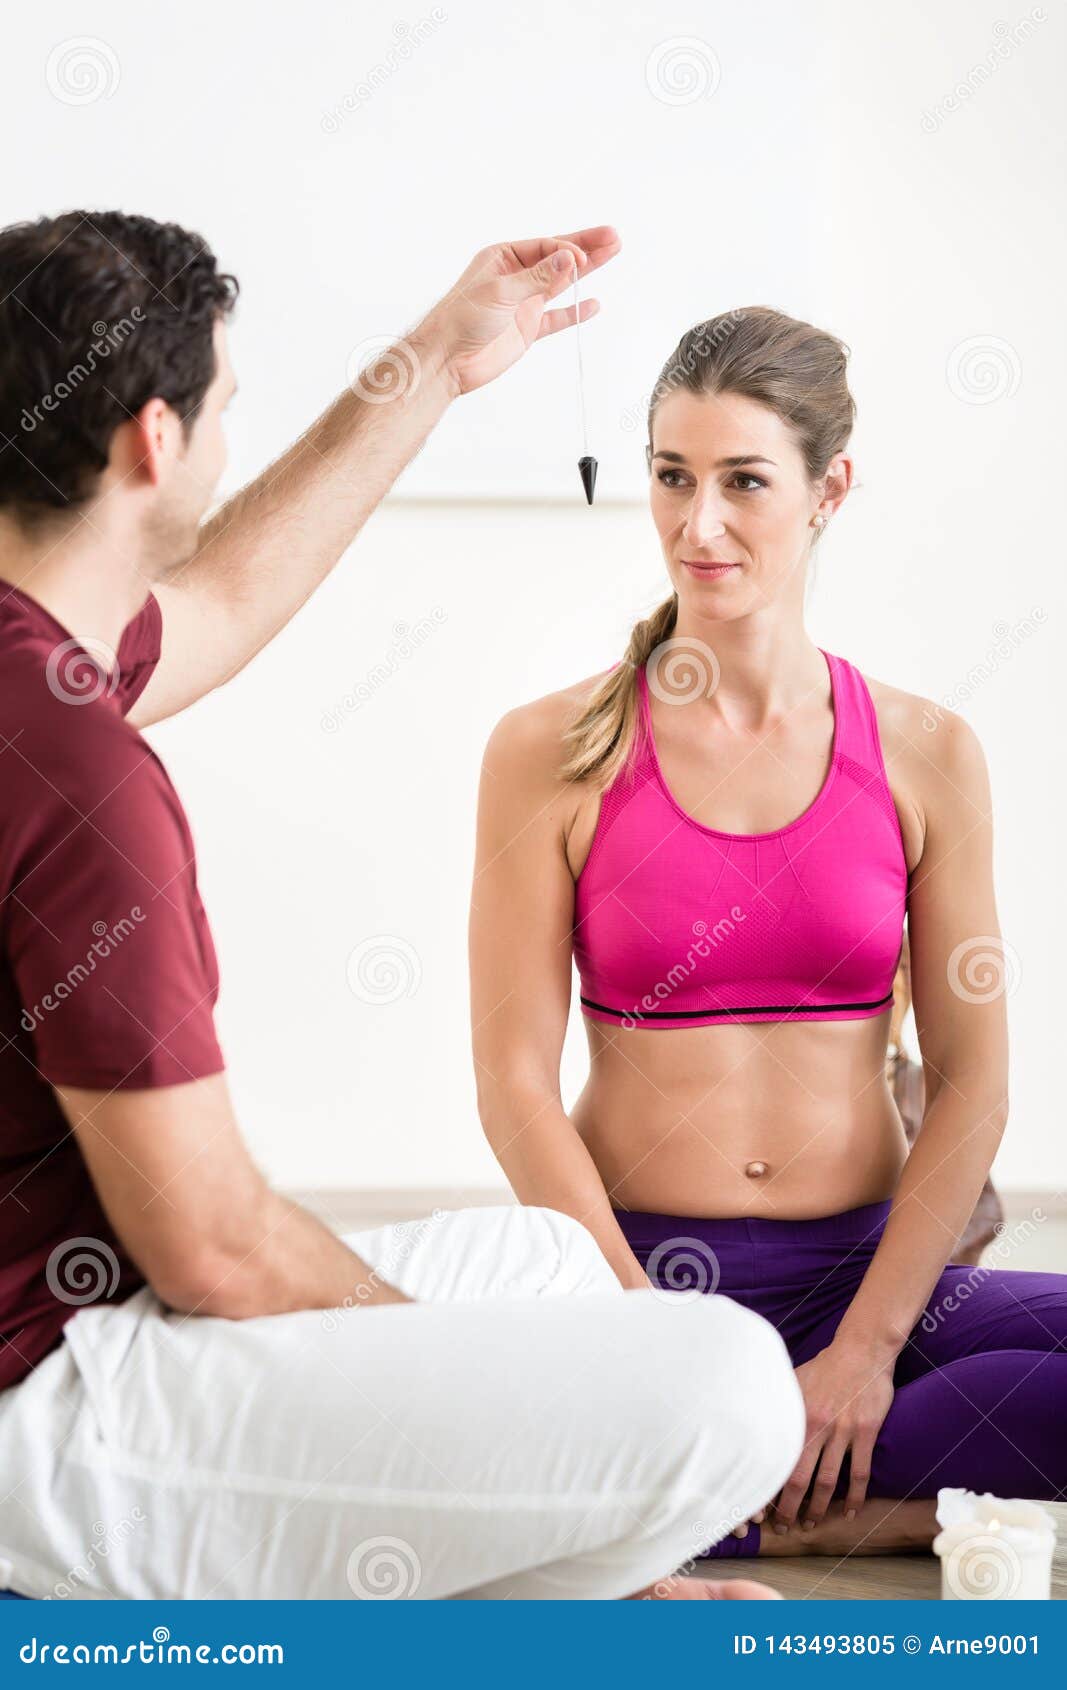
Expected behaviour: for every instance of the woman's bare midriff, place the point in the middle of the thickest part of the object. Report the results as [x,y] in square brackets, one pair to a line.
[672,1118]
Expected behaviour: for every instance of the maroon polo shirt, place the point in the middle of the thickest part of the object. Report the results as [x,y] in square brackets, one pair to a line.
[108,975]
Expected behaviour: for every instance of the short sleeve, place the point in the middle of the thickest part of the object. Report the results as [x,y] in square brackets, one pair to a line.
[138,653]
[107,937]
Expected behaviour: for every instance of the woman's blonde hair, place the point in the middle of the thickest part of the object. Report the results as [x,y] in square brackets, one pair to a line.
[797,371]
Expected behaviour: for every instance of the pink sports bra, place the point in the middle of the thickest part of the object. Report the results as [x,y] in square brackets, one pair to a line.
[681,925]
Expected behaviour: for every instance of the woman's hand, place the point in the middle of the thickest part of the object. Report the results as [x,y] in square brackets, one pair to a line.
[847,1397]
[499,306]
[757,1520]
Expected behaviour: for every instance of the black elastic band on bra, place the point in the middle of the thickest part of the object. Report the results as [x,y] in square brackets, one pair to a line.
[758,1009]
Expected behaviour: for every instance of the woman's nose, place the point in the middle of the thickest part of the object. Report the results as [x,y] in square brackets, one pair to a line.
[704,518]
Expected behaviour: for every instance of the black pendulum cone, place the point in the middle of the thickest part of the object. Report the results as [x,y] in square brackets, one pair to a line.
[587,470]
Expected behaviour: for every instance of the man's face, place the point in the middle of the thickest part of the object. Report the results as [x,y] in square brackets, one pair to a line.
[188,486]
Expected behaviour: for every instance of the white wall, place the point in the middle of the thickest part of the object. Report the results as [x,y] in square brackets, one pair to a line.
[820,170]
[314,839]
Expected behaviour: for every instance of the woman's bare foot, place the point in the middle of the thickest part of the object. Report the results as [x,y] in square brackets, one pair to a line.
[715,1590]
[882,1527]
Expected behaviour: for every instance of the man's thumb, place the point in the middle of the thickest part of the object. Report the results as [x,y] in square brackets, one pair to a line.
[547,276]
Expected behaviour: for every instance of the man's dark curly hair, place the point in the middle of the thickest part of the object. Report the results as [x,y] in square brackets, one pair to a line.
[99,312]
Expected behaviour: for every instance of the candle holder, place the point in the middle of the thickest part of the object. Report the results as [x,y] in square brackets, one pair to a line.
[993,1548]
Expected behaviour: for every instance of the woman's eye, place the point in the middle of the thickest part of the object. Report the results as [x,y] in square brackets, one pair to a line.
[673,478]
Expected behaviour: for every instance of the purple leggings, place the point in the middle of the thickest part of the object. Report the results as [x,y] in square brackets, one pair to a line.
[981,1384]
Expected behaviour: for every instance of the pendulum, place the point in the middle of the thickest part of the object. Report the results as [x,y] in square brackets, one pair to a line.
[587,465]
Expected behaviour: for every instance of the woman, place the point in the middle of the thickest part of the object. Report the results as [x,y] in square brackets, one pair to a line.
[726,831]
[907,1086]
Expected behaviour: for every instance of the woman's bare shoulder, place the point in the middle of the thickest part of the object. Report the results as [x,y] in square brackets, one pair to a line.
[932,755]
[531,736]
[910,723]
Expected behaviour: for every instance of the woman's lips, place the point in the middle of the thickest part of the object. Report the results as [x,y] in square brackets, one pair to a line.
[709,571]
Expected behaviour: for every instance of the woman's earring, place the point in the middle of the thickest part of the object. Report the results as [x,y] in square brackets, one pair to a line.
[819,522]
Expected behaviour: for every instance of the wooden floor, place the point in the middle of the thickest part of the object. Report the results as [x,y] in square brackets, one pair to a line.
[810,1577]
[885,1578]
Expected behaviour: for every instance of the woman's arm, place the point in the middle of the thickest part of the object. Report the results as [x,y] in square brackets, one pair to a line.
[959,977]
[522,911]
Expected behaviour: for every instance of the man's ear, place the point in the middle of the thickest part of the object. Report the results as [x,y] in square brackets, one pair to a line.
[140,441]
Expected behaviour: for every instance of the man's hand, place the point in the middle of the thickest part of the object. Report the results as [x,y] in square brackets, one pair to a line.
[499,306]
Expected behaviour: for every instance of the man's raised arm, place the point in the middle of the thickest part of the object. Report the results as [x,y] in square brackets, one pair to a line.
[267,549]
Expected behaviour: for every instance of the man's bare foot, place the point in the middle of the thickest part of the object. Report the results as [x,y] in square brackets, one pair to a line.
[882,1527]
[714,1590]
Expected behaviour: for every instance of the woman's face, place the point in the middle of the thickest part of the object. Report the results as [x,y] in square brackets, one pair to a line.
[729,487]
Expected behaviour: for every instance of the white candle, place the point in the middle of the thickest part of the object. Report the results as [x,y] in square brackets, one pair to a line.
[993,1548]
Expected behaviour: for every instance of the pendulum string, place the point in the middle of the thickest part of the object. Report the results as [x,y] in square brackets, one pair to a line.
[581,373]
[587,465]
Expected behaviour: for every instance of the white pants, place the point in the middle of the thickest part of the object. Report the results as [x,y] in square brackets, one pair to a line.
[526,1430]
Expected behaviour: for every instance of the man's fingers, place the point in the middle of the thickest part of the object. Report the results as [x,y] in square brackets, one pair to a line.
[498,307]
[562,317]
[599,244]
[537,271]
[596,246]
[549,276]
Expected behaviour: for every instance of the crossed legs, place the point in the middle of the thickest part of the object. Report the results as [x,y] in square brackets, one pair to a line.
[495,1439]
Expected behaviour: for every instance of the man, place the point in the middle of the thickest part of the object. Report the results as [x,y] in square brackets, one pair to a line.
[162,1362]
